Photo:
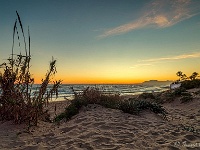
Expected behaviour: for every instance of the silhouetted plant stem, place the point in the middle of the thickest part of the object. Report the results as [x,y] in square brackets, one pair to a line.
[16,102]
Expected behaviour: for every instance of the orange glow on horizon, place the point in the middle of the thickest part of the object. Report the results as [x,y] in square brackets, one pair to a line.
[104,81]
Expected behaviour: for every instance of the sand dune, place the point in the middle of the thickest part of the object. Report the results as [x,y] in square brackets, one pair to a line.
[96,127]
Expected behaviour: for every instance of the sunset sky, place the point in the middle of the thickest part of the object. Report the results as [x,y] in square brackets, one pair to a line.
[106,41]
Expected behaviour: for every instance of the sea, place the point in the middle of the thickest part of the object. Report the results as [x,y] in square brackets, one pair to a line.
[65,91]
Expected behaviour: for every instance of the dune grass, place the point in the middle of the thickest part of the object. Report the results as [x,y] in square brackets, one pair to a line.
[114,101]
[17,101]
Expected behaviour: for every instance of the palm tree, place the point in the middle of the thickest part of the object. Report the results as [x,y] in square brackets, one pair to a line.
[181,75]
[194,76]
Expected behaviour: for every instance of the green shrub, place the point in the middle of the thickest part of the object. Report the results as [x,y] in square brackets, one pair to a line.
[197,92]
[189,84]
[186,94]
[129,107]
[94,96]
[60,117]
[136,106]
[78,103]
[110,101]
[178,91]
[146,95]
[88,96]
[71,110]
[186,99]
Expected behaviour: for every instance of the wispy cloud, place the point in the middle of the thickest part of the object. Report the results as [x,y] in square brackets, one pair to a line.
[178,57]
[140,65]
[150,62]
[158,13]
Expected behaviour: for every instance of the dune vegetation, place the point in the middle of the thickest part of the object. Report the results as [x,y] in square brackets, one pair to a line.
[17,101]
[144,101]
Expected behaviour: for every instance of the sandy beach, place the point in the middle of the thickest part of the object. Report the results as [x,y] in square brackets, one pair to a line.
[96,127]
[100,75]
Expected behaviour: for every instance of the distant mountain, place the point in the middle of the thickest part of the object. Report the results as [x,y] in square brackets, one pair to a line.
[157,83]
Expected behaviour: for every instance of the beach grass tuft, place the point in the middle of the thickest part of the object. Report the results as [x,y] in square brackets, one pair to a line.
[17,102]
[146,96]
[89,96]
[134,106]
[114,101]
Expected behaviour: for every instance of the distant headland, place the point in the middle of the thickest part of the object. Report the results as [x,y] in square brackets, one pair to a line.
[156,82]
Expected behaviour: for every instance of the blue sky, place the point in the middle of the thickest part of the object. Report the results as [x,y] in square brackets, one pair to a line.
[107,41]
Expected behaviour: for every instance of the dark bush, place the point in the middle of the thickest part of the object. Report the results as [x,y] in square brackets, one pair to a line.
[128,106]
[78,103]
[60,117]
[94,96]
[71,110]
[136,106]
[178,91]
[146,95]
[189,84]
[110,101]
[186,94]
[88,96]
[186,99]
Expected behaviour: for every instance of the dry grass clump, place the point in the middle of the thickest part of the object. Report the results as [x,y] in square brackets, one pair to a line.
[95,96]
[89,96]
[170,95]
[17,101]
[114,101]
[146,96]
[186,99]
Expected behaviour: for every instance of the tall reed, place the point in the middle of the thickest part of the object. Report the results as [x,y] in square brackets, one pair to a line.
[16,102]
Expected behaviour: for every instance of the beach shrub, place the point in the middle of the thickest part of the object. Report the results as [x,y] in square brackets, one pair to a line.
[186,99]
[189,84]
[114,101]
[160,97]
[186,94]
[146,96]
[17,102]
[165,97]
[70,111]
[197,92]
[178,91]
[136,106]
[128,106]
[110,101]
[181,91]
[173,94]
[94,96]
[88,96]
[60,116]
